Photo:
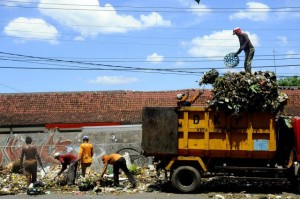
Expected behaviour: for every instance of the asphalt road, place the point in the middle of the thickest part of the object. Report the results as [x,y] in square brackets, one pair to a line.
[112,196]
[220,189]
[157,195]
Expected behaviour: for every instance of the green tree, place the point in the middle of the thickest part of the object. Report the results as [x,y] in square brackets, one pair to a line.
[289,81]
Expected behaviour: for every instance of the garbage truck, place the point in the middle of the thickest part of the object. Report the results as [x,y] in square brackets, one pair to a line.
[191,143]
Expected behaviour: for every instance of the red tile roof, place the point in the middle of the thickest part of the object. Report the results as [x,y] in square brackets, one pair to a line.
[34,109]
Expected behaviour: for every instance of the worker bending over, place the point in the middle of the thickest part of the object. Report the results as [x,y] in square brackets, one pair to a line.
[245,45]
[68,160]
[118,162]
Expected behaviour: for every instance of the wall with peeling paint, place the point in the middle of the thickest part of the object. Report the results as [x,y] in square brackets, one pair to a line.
[106,140]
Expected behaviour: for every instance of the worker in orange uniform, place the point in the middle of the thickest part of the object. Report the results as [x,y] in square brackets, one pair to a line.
[118,162]
[182,99]
[86,152]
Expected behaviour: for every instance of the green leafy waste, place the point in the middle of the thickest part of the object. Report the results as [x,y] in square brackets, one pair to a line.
[244,92]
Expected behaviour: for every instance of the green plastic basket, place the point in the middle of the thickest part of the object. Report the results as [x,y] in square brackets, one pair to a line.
[231,61]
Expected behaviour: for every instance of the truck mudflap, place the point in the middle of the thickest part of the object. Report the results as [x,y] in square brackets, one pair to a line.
[183,158]
[296,125]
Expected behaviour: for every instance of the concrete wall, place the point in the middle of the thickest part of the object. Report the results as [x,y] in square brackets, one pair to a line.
[106,140]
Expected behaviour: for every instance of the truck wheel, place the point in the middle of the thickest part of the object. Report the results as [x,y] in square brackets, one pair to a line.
[186,179]
[294,180]
[296,185]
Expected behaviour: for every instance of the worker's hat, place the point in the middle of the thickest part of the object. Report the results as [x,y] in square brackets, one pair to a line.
[85,137]
[56,155]
[237,30]
[179,96]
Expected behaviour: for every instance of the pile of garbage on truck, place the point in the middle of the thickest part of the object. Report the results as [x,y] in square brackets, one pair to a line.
[237,92]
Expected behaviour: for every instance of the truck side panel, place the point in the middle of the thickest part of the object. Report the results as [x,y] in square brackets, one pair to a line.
[208,133]
[160,135]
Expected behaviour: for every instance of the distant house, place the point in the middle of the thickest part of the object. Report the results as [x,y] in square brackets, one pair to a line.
[70,111]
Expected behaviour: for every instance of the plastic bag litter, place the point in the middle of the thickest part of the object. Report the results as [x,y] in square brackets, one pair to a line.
[45,171]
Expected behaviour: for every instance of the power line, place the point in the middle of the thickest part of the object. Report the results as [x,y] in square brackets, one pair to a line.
[142,70]
[154,7]
[143,44]
[280,57]
[175,57]
[4,85]
[164,28]
[159,9]
[115,67]
[76,66]
[124,36]
[119,68]
[194,60]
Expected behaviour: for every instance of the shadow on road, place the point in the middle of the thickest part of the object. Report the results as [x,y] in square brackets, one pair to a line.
[233,186]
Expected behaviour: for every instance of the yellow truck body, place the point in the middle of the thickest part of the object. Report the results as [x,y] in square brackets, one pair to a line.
[196,131]
[204,132]
[192,143]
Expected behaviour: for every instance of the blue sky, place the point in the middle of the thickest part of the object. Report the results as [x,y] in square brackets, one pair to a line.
[90,45]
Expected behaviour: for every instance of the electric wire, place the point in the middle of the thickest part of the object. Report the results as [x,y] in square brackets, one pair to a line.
[147,44]
[126,36]
[160,27]
[126,68]
[279,57]
[73,7]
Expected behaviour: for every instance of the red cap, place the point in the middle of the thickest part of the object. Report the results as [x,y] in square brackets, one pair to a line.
[237,30]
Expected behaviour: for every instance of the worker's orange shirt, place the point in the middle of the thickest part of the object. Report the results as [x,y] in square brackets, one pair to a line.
[111,159]
[86,152]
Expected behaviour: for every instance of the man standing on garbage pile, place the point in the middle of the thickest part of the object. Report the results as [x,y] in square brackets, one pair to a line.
[183,101]
[246,45]
[86,152]
[118,162]
[65,160]
[30,164]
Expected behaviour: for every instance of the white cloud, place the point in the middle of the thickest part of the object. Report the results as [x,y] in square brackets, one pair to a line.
[292,54]
[283,40]
[19,2]
[218,44]
[155,58]
[255,11]
[198,9]
[179,63]
[113,80]
[90,19]
[287,13]
[154,19]
[31,29]
[79,38]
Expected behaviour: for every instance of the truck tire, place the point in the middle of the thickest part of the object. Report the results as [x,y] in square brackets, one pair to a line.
[186,179]
[295,181]
[296,185]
